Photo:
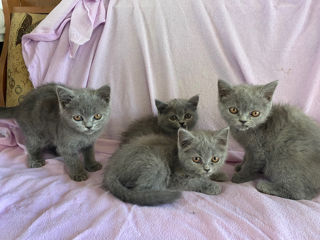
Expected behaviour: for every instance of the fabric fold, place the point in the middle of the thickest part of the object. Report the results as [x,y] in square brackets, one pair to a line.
[83,16]
[10,135]
[86,16]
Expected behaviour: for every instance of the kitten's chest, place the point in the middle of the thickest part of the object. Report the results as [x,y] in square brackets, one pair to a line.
[75,140]
[256,142]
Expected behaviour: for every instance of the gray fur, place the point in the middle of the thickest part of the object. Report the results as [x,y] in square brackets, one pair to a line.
[162,124]
[282,144]
[46,120]
[153,169]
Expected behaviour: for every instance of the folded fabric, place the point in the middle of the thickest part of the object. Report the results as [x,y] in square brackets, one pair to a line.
[10,134]
[83,15]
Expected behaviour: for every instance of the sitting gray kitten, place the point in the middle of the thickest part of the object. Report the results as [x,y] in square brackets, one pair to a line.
[153,169]
[280,141]
[171,116]
[68,120]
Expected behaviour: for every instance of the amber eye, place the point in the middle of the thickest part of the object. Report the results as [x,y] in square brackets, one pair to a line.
[187,116]
[97,116]
[77,118]
[233,110]
[215,159]
[196,159]
[173,118]
[255,114]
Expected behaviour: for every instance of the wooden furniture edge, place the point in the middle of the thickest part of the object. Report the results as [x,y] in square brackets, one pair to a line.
[7,10]
[4,52]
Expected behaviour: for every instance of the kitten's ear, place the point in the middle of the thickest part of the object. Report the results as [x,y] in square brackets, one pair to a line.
[104,93]
[161,106]
[224,88]
[65,95]
[194,101]
[185,138]
[222,136]
[268,90]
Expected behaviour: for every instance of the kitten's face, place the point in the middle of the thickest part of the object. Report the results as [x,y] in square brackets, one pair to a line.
[178,113]
[245,106]
[202,152]
[84,110]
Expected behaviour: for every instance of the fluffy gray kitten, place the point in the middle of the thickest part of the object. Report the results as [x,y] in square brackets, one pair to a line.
[280,141]
[153,169]
[67,120]
[171,116]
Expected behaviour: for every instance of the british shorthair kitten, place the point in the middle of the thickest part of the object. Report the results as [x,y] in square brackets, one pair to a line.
[68,120]
[281,143]
[171,116]
[153,169]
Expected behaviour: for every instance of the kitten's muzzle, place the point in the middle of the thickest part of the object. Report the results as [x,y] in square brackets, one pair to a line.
[242,127]
[183,125]
[206,168]
[89,131]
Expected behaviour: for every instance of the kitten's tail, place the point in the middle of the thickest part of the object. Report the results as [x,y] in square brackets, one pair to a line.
[9,112]
[143,198]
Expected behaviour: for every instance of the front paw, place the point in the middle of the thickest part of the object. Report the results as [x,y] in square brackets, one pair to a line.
[79,176]
[219,177]
[237,178]
[212,189]
[93,167]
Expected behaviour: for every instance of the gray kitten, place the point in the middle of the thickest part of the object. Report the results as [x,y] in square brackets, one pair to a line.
[280,141]
[67,120]
[171,116]
[153,169]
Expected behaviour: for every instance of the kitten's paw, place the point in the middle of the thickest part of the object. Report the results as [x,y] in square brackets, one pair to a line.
[80,176]
[263,186]
[270,188]
[211,188]
[36,164]
[93,167]
[214,189]
[237,178]
[238,168]
[219,177]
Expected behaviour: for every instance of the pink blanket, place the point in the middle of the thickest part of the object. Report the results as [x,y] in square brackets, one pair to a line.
[44,203]
[148,49]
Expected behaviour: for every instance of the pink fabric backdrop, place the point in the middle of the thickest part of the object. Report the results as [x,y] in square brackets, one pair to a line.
[148,49]
[165,49]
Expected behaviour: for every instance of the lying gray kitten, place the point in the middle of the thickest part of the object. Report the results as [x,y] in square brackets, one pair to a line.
[280,141]
[171,116]
[153,169]
[68,120]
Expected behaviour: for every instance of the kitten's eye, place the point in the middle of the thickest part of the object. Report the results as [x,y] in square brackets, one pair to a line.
[233,110]
[215,159]
[77,118]
[187,116]
[255,114]
[97,116]
[173,118]
[196,159]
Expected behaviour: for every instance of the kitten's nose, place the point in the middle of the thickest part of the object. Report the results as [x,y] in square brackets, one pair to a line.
[89,127]
[242,121]
[206,169]
[182,124]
